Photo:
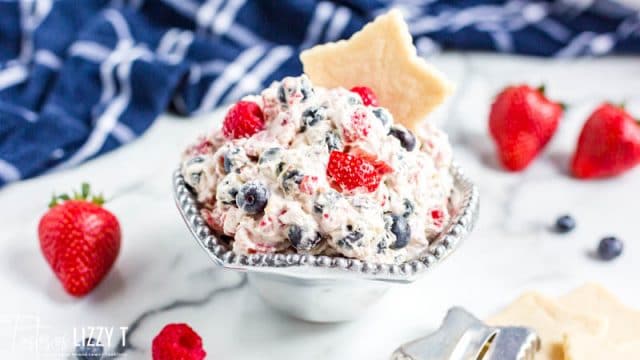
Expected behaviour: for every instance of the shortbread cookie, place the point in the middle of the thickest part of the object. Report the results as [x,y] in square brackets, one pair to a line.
[624,322]
[551,320]
[622,338]
[586,347]
[382,57]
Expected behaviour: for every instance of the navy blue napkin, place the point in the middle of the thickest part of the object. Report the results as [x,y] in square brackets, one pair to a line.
[80,78]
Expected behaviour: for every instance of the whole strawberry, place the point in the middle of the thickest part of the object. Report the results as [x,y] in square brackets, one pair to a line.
[521,122]
[80,240]
[609,144]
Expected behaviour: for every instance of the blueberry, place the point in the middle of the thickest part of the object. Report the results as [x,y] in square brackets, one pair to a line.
[399,227]
[409,207]
[324,200]
[195,160]
[305,88]
[407,139]
[610,248]
[252,197]
[282,95]
[195,178]
[269,154]
[384,117]
[228,188]
[226,161]
[353,238]
[333,141]
[565,224]
[291,179]
[381,246]
[354,99]
[318,208]
[303,239]
[312,116]
[89,349]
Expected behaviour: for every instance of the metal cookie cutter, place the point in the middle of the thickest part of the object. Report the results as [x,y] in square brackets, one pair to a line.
[463,337]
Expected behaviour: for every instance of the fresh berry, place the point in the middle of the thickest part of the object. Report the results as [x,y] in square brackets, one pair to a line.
[269,155]
[609,144]
[565,224]
[313,115]
[80,240]
[437,215]
[202,146]
[401,231]
[333,141]
[303,239]
[309,184]
[233,159]
[521,122]
[353,238]
[367,95]
[244,119]
[610,248]
[407,139]
[347,172]
[358,128]
[384,116]
[89,349]
[291,180]
[252,197]
[177,341]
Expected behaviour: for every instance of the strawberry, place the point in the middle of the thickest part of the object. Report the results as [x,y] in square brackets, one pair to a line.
[521,122]
[80,240]
[177,342]
[358,128]
[367,95]
[244,119]
[347,172]
[609,144]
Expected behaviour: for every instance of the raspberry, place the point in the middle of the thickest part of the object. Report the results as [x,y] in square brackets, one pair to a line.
[367,95]
[243,120]
[347,172]
[177,341]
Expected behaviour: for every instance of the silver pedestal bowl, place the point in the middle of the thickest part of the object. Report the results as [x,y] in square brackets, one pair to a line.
[328,288]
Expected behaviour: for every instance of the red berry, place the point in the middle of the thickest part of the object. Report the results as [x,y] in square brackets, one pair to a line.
[244,119]
[347,172]
[367,95]
[358,128]
[80,240]
[522,121]
[438,217]
[609,144]
[177,341]
[200,147]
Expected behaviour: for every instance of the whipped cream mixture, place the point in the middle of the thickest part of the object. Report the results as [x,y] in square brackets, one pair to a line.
[294,207]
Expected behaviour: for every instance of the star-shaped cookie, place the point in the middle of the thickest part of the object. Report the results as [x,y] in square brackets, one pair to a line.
[551,320]
[588,347]
[622,338]
[382,57]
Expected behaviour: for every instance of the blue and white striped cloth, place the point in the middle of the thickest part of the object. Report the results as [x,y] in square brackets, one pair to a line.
[81,77]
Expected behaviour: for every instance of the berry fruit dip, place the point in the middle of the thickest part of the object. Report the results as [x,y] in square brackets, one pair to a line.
[306,169]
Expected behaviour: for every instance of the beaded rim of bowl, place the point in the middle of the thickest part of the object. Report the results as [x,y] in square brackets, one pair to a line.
[461,224]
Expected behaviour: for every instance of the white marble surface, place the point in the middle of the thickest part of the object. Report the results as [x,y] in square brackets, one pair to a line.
[161,276]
